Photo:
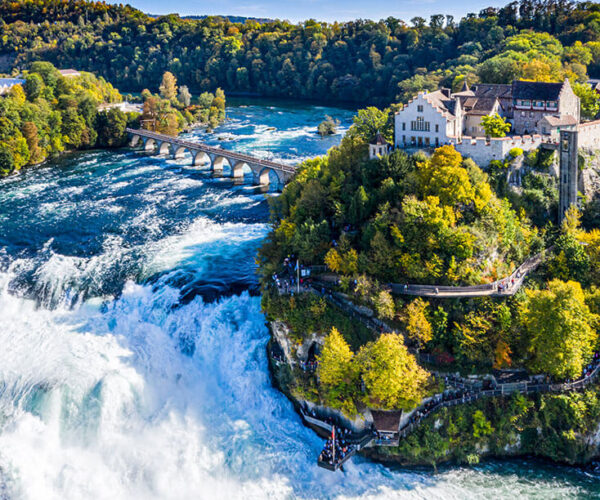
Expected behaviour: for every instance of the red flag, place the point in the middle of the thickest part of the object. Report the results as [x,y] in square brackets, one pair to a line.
[333,442]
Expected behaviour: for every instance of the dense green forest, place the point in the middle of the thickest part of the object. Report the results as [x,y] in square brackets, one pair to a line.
[49,114]
[363,61]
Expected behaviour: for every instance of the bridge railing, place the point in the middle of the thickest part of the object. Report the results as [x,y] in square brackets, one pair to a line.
[211,149]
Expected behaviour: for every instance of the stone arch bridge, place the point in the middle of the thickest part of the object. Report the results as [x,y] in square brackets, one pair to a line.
[217,158]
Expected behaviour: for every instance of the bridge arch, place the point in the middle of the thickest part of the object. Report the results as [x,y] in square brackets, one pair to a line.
[199,158]
[164,148]
[268,176]
[220,163]
[135,140]
[149,144]
[239,169]
[177,151]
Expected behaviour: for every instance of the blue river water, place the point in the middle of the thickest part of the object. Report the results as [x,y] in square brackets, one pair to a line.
[132,358]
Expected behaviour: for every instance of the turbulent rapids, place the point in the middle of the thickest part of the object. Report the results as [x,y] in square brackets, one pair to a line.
[132,345]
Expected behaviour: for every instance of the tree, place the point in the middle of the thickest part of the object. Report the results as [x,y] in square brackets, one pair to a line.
[561,329]
[328,126]
[418,327]
[589,100]
[384,304]
[481,426]
[495,125]
[358,206]
[370,121]
[391,375]
[336,372]
[443,176]
[184,96]
[30,133]
[334,261]
[168,87]
[111,128]
[334,360]
[17,94]
[7,163]
[33,86]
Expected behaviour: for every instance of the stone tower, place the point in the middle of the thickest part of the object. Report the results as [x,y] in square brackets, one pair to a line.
[568,172]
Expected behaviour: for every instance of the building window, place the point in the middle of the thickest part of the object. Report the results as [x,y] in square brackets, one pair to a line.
[531,114]
[413,140]
[420,125]
[437,142]
[437,128]
[551,104]
[427,141]
[525,102]
[403,126]
[522,113]
[404,139]
[420,108]
[543,130]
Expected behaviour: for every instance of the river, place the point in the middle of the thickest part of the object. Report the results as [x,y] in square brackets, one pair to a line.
[132,349]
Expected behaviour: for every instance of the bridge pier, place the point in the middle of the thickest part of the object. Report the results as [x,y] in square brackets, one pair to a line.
[135,140]
[238,170]
[218,163]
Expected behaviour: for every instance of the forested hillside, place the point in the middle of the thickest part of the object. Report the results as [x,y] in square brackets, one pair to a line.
[435,220]
[361,61]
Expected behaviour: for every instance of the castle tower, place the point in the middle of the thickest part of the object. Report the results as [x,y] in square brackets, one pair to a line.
[568,172]
[378,147]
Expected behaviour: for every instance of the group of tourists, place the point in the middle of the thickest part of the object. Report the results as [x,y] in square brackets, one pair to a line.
[589,369]
[337,447]
[309,365]
[292,278]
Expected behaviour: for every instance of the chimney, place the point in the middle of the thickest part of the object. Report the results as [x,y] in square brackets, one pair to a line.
[446,91]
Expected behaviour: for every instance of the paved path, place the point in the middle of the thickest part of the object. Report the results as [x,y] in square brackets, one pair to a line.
[505,287]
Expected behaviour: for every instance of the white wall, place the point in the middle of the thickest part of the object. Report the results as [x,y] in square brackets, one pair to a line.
[482,151]
[430,114]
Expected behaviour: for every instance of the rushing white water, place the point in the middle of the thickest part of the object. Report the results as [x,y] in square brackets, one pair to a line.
[119,381]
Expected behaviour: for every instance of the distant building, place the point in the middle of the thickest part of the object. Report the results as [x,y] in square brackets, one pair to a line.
[8,83]
[69,73]
[126,107]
